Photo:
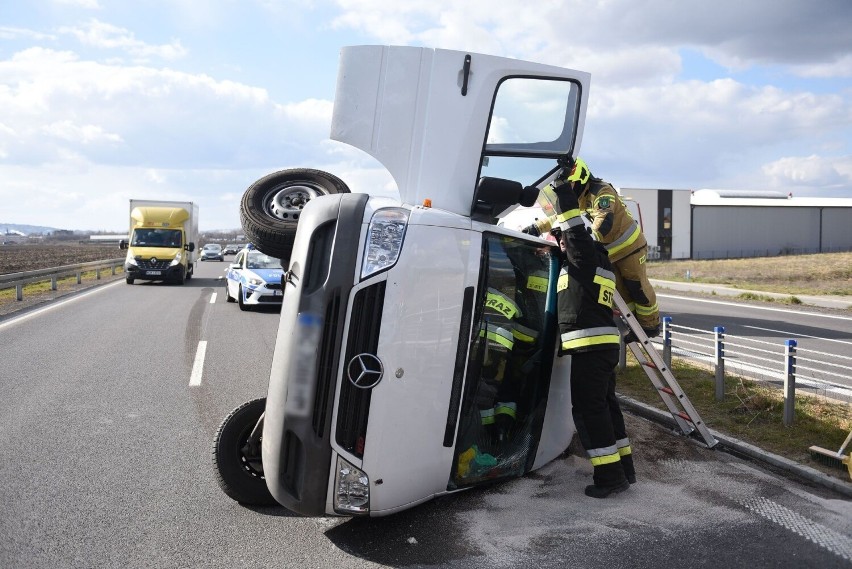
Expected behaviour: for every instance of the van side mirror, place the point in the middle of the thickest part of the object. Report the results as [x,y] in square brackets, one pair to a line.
[495,195]
[190,247]
[122,244]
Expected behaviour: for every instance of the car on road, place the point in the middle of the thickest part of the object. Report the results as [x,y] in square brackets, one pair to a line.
[212,252]
[231,249]
[254,278]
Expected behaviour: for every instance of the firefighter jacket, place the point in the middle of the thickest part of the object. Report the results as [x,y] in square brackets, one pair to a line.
[585,291]
[611,221]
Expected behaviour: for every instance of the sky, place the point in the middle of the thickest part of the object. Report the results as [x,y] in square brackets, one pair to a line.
[192,100]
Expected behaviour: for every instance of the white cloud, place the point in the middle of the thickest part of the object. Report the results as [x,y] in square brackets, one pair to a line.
[810,171]
[102,35]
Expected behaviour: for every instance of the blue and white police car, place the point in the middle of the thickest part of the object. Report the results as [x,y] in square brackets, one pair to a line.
[254,278]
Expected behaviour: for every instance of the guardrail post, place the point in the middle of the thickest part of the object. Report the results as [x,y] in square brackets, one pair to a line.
[53,283]
[19,292]
[79,277]
[667,340]
[98,273]
[113,270]
[719,337]
[789,382]
[622,355]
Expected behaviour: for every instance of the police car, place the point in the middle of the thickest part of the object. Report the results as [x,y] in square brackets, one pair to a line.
[254,278]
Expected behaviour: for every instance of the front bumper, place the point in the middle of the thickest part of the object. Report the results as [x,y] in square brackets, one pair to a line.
[297,432]
[154,274]
[270,293]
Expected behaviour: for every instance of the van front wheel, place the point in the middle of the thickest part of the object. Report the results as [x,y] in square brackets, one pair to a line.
[237,456]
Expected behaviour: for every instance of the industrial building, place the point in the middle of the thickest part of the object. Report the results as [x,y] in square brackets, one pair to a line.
[721,224]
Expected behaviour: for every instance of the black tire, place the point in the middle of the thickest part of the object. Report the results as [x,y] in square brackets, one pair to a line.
[228,296]
[270,207]
[128,280]
[240,297]
[241,476]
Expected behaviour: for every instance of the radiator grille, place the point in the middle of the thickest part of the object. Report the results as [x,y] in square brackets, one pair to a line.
[354,406]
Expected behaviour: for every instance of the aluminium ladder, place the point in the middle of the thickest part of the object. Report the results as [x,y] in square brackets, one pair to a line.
[685,415]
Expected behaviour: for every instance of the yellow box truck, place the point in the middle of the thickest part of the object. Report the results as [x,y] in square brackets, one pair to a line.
[162,241]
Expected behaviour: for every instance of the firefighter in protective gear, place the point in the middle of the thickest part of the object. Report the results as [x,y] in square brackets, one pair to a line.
[625,243]
[588,333]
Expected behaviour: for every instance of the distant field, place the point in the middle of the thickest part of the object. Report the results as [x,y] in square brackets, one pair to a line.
[824,273]
[19,258]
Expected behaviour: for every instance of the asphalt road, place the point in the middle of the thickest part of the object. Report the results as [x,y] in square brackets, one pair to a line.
[755,336]
[105,462]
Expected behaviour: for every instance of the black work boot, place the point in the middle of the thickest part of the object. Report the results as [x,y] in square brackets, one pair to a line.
[609,479]
[595,491]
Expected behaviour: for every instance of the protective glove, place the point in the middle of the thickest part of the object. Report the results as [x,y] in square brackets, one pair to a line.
[532,230]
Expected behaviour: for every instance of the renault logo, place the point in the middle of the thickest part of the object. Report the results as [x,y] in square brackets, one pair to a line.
[365,371]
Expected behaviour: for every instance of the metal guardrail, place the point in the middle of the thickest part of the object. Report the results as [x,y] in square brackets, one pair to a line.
[20,280]
[809,370]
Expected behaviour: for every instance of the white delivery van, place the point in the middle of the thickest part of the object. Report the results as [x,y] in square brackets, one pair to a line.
[416,353]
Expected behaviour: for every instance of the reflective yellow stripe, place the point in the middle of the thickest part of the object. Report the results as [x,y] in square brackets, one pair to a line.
[562,282]
[603,281]
[626,239]
[605,455]
[591,341]
[646,310]
[499,335]
[524,334]
[507,409]
[486,416]
[608,459]
[537,283]
[624,451]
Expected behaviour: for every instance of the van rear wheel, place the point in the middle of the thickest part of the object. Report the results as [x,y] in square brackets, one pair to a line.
[271,207]
[237,459]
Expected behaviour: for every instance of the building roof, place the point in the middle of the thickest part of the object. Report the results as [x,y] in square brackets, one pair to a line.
[762,198]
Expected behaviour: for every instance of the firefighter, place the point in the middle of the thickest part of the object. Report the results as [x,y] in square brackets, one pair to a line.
[588,333]
[621,235]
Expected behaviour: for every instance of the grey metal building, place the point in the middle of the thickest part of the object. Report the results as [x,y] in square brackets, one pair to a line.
[716,224]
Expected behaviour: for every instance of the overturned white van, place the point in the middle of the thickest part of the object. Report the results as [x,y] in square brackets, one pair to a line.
[416,353]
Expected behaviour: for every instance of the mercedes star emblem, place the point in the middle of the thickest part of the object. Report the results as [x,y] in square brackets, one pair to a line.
[365,371]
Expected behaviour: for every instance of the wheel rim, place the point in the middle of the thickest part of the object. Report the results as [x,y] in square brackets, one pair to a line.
[287,202]
[253,466]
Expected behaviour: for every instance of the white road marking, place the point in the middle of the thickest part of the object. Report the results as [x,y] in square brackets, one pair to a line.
[794,334]
[741,305]
[824,537]
[57,304]
[198,365]
[213,298]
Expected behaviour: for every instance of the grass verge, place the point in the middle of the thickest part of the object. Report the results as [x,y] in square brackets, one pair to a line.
[752,412]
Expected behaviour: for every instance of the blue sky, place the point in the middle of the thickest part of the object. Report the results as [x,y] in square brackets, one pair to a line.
[105,101]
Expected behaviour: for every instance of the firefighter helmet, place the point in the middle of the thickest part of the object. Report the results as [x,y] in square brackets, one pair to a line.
[579,172]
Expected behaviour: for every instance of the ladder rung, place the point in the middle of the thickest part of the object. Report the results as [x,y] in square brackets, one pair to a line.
[668,390]
[684,416]
[651,365]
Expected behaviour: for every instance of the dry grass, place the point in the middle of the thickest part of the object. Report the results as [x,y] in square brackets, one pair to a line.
[825,273]
[752,412]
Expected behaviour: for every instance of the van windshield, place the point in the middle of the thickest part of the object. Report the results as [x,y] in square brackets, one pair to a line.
[509,363]
[156,238]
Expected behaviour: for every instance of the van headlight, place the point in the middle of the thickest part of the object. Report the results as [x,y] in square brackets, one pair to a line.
[130,260]
[176,260]
[384,240]
[351,489]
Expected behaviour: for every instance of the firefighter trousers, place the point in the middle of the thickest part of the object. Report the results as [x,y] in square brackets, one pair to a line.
[634,287]
[597,414]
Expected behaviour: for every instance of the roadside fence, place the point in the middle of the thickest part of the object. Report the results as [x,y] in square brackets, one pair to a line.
[19,280]
[785,364]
